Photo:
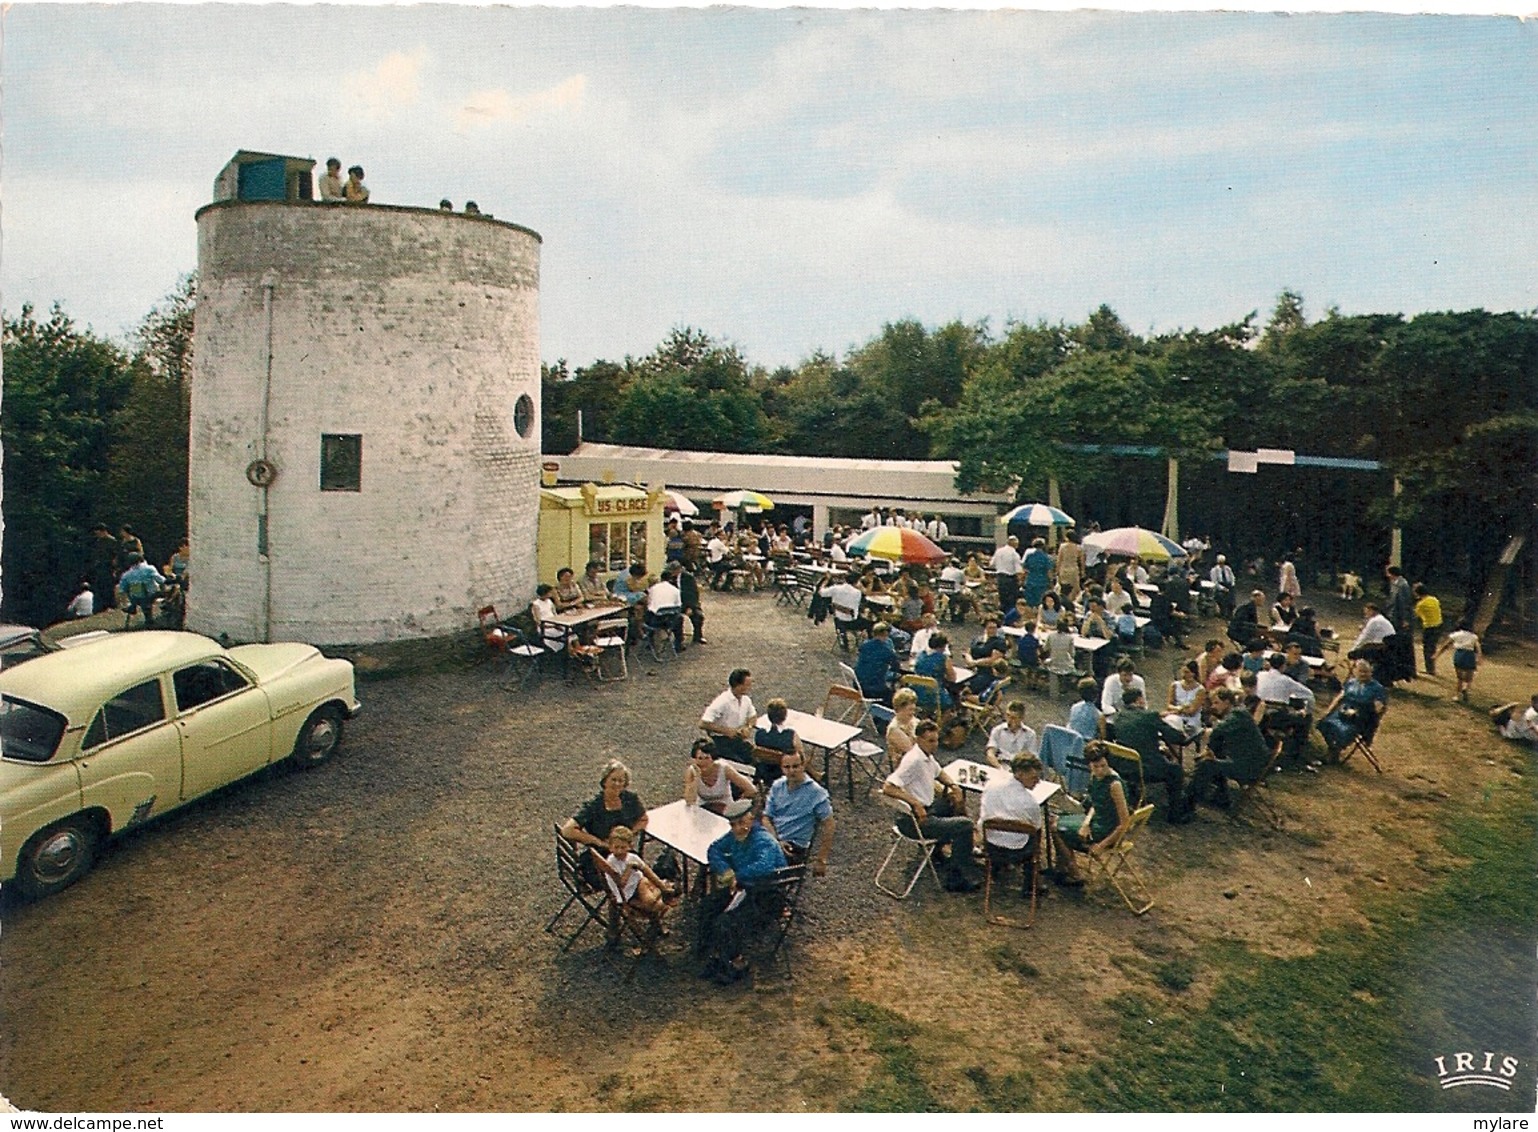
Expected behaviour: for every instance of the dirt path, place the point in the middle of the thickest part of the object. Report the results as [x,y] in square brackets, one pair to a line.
[368,935]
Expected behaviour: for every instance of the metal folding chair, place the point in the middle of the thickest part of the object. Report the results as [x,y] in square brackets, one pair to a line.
[847,705]
[1116,865]
[1032,866]
[579,891]
[1250,793]
[610,636]
[925,847]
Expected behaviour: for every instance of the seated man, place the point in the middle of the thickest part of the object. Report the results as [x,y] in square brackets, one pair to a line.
[1113,694]
[936,664]
[1290,706]
[1355,711]
[1248,620]
[1222,578]
[876,667]
[1235,749]
[1144,731]
[919,645]
[1520,726]
[992,645]
[799,811]
[665,605]
[844,598]
[737,908]
[731,719]
[1011,738]
[718,558]
[1012,818]
[936,807]
[1376,629]
[953,584]
[592,585]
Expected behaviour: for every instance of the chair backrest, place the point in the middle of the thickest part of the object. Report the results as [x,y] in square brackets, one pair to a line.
[845,705]
[880,717]
[1140,816]
[487,616]
[1062,749]
[850,678]
[616,625]
[1126,762]
[568,864]
[926,688]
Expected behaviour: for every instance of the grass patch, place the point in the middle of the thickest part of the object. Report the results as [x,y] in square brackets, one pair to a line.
[1176,975]
[1355,1025]
[897,1083]
[1011,962]
[1011,1092]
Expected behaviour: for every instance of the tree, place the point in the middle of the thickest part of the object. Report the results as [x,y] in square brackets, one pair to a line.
[62,389]
[691,392]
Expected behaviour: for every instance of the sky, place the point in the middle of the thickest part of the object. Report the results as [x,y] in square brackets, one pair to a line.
[790,180]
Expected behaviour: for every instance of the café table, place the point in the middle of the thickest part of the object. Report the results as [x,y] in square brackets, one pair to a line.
[690,830]
[828,735]
[572,620]
[1083,644]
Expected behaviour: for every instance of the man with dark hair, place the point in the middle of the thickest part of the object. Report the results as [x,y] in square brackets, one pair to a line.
[798,812]
[1143,731]
[331,180]
[1235,749]
[731,720]
[877,667]
[936,808]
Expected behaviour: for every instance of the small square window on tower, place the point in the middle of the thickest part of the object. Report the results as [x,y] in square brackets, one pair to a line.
[341,462]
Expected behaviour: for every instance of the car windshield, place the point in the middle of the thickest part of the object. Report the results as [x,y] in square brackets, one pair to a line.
[28,732]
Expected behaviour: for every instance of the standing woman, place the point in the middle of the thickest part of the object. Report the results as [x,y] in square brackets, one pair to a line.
[1289,581]
[1070,565]
[1466,655]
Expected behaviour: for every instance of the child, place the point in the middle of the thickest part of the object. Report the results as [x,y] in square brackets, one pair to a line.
[632,884]
[1466,653]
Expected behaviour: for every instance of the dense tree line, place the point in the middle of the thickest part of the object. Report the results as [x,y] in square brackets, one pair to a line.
[94,432]
[1447,402]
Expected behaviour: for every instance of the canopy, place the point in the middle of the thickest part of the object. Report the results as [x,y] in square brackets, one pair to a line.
[672,501]
[743,501]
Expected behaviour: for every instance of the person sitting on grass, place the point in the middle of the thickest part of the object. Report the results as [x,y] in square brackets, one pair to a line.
[633,887]
[1520,726]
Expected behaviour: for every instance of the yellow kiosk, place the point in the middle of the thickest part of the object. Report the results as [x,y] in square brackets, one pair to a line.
[615,524]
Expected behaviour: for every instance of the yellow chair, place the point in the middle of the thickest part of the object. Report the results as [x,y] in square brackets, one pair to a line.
[1115,862]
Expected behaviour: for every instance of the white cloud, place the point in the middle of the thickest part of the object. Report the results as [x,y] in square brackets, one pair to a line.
[489,107]
[393,85]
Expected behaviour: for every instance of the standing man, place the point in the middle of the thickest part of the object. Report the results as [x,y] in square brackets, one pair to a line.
[1428,611]
[731,720]
[331,180]
[1401,605]
[102,555]
[689,590]
[936,807]
[1007,571]
[799,811]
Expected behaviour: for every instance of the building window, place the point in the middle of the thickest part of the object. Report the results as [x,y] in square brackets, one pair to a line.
[341,462]
[617,545]
[523,415]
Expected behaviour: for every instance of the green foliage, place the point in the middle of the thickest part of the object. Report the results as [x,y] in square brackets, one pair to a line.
[63,388]
[691,393]
[897,1084]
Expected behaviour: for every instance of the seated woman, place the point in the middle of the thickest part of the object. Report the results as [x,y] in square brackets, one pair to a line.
[973,570]
[613,805]
[568,595]
[1226,674]
[1355,711]
[1105,817]
[709,782]
[901,733]
[542,608]
[632,885]
[1051,609]
[1305,631]
[936,664]
[776,737]
[1284,612]
[1187,701]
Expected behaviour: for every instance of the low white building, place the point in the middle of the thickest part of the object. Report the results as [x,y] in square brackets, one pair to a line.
[836,489]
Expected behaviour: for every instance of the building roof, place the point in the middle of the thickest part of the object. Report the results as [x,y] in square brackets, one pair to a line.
[715,472]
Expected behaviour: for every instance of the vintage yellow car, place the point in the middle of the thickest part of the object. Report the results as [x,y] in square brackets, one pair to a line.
[101,737]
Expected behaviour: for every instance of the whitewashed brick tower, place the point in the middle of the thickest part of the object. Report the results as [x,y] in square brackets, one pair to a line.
[365,421]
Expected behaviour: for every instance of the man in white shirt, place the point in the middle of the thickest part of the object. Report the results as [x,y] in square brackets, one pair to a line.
[1011,816]
[938,531]
[665,606]
[1125,679]
[1275,687]
[716,552]
[920,643]
[1282,720]
[941,816]
[844,597]
[1008,568]
[731,720]
[84,603]
[869,519]
[1222,578]
[1376,630]
[953,585]
[1012,737]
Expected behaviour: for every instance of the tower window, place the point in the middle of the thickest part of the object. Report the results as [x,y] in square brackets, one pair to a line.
[341,462]
[523,415]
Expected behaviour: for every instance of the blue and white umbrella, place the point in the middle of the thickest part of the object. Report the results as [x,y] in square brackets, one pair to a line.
[1036,515]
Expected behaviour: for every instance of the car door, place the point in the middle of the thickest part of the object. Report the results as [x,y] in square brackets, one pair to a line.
[225,724]
[131,757]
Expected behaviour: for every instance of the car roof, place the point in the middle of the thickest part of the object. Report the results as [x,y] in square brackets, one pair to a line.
[77,681]
[10,634]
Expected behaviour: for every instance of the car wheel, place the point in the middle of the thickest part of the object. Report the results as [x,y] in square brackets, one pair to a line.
[57,857]
[319,738]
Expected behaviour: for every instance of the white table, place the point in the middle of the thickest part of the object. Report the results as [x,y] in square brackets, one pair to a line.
[1085,644]
[829,735]
[689,829]
[573,619]
[975,777]
[885,601]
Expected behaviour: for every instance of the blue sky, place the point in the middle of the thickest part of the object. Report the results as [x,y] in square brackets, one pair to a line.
[791,179]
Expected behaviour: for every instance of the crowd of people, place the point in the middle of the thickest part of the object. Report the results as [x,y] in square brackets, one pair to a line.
[121,576]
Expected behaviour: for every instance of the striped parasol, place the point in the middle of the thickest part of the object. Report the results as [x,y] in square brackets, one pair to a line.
[1128,541]
[1036,515]
[743,501]
[672,501]
[897,544]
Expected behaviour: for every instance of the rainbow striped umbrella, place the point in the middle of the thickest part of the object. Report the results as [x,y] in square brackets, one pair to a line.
[1036,515]
[743,501]
[1128,541]
[897,544]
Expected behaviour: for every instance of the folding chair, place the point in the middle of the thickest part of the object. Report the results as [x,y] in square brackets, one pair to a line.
[983,712]
[1115,862]
[644,931]
[1250,790]
[789,589]
[524,653]
[780,894]
[881,718]
[1126,762]
[927,689]
[847,705]
[610,637]
[926,847]
[657,632]
[1032,866]
[1363,741]
[850,679]
[579,890]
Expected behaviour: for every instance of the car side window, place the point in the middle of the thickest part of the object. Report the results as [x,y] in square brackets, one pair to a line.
[197,684]
[139,707]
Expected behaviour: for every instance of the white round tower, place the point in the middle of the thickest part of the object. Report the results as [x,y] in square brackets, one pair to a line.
[365,421]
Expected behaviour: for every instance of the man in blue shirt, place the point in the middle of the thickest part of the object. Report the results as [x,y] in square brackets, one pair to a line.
[797,812]
[877,667]
[746,853]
